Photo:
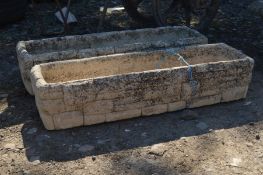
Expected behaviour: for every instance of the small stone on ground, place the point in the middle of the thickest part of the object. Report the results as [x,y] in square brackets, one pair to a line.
[35,160]
[86,148]
[236,162]
[158,149]
[202,126]
[32,131]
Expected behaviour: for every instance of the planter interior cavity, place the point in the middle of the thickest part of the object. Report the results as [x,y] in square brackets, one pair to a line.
[30,53]
[108,88]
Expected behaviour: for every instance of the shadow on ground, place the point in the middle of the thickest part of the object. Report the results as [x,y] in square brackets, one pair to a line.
[19,107]
[72,144]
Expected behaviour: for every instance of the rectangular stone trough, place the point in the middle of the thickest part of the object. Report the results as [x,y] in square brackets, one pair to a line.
[30,53]
[108,88]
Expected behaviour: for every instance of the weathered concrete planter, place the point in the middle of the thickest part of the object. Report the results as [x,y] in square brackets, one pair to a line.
[30,53]
[107,88]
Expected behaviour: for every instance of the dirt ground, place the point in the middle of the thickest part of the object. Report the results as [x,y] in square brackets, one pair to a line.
[220,139]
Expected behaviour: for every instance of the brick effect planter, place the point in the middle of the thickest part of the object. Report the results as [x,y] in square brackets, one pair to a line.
[30,53]
[115,87]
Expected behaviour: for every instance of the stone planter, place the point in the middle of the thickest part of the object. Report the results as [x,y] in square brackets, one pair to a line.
[30,53]
[108,88]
